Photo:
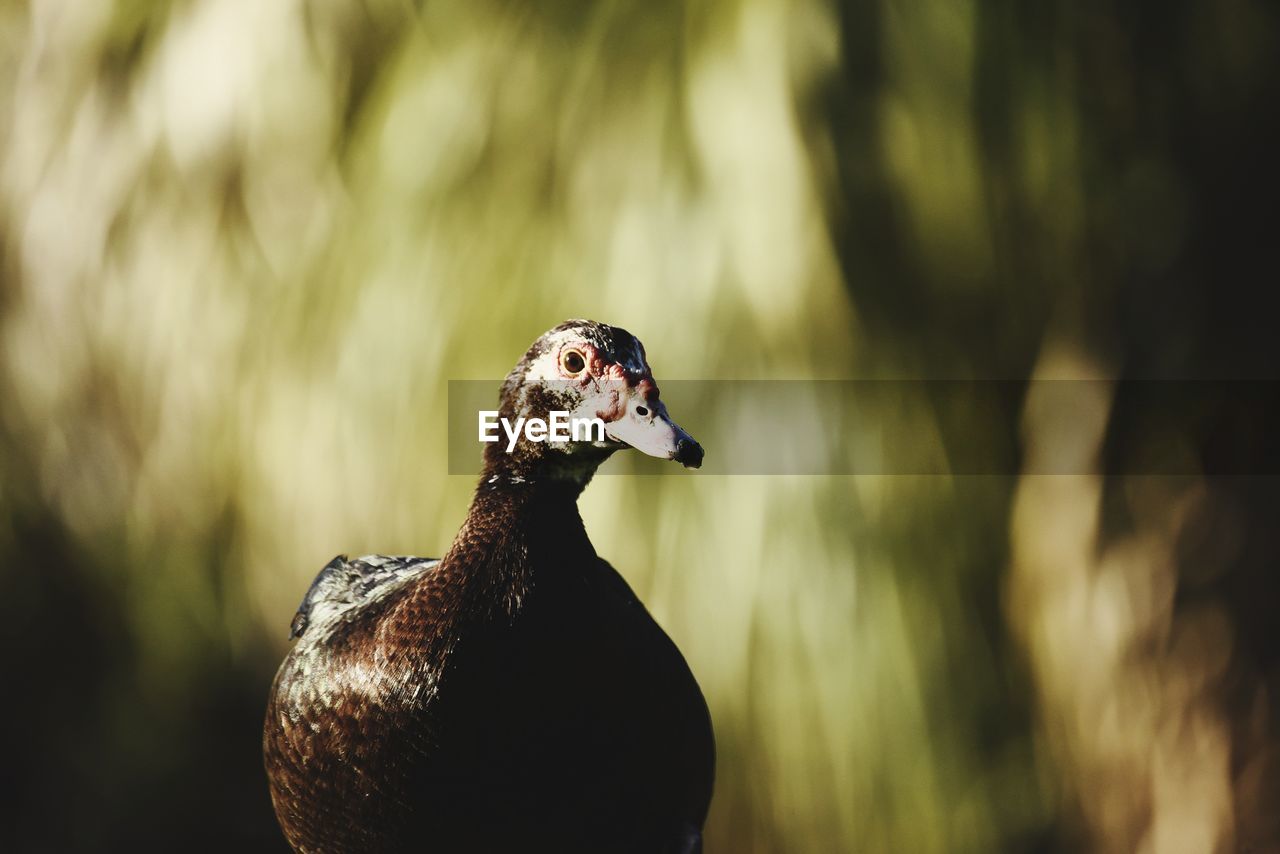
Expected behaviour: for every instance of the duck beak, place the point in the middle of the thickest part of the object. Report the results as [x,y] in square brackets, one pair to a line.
[646,426]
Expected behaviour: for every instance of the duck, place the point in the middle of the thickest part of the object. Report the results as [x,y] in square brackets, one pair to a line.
[514,694]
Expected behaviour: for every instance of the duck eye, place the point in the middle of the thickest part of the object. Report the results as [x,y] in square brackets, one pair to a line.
[573,361]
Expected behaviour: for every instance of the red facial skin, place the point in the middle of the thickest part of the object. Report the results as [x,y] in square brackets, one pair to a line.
[600,368]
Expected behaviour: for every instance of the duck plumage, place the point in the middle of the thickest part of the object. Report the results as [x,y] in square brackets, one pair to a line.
[514,695]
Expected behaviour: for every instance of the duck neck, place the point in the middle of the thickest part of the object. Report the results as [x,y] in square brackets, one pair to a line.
[516,530]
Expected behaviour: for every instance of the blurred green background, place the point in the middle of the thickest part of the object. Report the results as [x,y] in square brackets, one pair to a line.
[246,244]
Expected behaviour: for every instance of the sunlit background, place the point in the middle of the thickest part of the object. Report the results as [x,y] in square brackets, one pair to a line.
[247,244]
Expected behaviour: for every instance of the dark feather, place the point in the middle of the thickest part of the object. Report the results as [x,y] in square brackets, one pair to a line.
[344,586]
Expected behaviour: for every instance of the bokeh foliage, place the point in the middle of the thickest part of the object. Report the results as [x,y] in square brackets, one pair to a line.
[246,245]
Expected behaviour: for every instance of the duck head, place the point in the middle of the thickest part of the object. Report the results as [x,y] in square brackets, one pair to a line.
[597,376]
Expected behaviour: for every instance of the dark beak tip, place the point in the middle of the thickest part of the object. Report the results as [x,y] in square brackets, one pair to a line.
[688,453]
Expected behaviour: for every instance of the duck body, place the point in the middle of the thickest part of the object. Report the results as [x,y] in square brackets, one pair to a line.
[512,696]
